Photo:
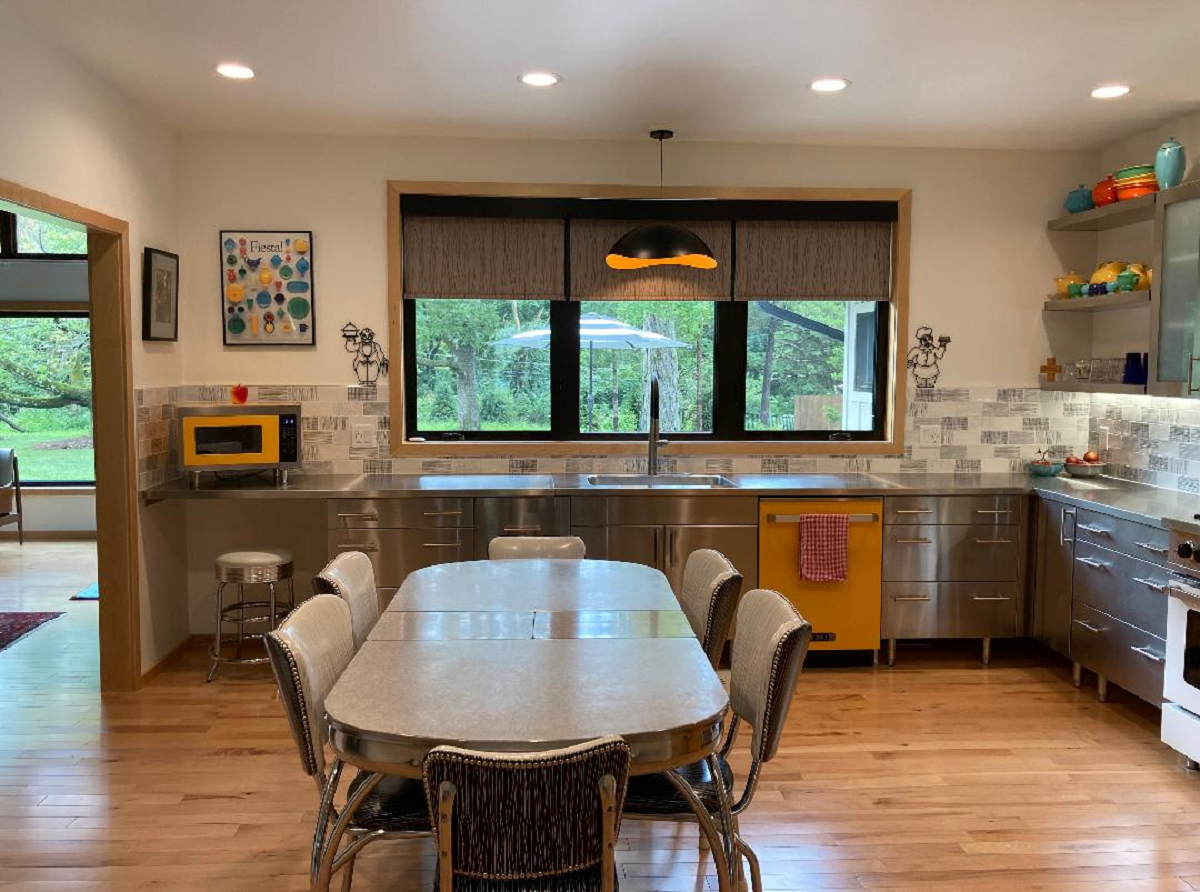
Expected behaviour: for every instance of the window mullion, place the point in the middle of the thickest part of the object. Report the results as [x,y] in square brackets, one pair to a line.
[564,370]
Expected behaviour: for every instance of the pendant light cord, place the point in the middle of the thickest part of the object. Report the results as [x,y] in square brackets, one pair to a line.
[660,169]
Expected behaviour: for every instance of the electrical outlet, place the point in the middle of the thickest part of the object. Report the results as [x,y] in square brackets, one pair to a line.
[931,436]
[363,435]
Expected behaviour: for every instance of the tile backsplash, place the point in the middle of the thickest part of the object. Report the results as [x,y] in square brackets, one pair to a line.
[948,430]
[1154,440]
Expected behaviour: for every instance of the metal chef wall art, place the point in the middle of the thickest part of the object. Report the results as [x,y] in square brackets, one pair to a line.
[923,359]
[369,361]
[268,297]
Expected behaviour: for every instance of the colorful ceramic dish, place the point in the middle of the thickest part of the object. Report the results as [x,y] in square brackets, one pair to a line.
[1104,192]
[1127,192]
[1135,171]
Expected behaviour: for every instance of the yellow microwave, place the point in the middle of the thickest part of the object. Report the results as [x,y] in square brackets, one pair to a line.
[255,437]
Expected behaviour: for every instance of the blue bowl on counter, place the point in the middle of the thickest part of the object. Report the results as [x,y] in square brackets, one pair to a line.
[1047,469]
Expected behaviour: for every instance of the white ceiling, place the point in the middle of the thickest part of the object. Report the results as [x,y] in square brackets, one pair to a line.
[975,73]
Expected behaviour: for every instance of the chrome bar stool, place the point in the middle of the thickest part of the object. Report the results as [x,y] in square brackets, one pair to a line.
[266,566]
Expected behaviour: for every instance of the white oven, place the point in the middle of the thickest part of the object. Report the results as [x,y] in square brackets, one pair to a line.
[1181,673]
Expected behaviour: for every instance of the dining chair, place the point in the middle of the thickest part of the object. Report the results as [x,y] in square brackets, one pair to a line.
[508,548]
[769,647]
[309,651]
[538,822]
[351,577]
[10,493]
[709,596]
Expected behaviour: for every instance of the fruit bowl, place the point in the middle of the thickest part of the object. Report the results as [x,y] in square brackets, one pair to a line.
[1085,469]
[1045,468]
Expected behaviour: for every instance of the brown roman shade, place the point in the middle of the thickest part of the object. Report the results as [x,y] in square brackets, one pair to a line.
[483,257]
[813,260]
[593,279]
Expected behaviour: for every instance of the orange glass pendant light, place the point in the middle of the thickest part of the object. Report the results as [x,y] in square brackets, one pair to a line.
[660,244]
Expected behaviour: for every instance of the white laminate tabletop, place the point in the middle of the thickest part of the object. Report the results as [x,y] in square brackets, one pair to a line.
[528,655]
[535,585]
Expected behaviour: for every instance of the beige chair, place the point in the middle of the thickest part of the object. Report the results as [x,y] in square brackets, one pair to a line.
[529,821]
[10,493]
[309,651]
[351,577]
[507,548]
[709,596]
[768,652]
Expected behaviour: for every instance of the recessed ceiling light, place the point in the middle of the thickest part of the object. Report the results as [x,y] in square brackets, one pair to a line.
[235,71]
[829,84]
[540,78]
[1111,91]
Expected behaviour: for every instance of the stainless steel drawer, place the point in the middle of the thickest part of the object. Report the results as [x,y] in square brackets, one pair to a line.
[684,510]
[949,610]
[1121,653]
[419,513]
[519,516]
[951,553]
[1132,591]
[1145,542]
[396,553]
[952,509]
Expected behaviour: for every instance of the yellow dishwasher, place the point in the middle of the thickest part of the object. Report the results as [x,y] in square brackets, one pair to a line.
[844,615]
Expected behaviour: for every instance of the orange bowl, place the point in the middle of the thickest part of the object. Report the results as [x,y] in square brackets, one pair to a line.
[1127,192]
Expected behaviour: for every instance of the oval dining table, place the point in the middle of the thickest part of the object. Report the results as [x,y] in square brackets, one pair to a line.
[527,655]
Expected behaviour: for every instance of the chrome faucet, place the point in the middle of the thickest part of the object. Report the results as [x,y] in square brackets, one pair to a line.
[654,440]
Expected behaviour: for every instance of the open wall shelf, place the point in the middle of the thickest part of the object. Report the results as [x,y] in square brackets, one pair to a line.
[1111,216]
[1118,300]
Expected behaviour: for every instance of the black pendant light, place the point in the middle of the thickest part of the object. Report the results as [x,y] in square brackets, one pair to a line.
[660,244]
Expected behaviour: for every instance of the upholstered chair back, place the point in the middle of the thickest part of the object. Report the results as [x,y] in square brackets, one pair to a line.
[568,548]
[351,577]
[711,585]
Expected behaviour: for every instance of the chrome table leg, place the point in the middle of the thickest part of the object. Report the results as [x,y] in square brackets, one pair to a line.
[727,821]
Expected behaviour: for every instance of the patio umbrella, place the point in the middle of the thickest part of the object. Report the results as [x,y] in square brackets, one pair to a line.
[597,333]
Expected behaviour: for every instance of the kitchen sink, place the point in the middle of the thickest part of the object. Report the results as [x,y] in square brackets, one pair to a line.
[663,481]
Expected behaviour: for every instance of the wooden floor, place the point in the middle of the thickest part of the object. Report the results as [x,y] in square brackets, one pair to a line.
[938,774]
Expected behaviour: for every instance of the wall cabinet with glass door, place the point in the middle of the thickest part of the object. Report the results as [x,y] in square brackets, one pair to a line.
[1175,332]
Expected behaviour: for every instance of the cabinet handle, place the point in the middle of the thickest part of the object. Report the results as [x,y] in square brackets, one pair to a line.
[1094,564]
[1151,547]
[1191,365]
[440,544]
[1151,584]
[531,530]
[656,534]
[993,541]
[990,598]
[1089,626]
[1096,531]
[914,510]
[911,598]
[365,515]
[992,511]
[672,557]
[1148,654]
[362,546]
[1062,525]
[913,541]
[441,513]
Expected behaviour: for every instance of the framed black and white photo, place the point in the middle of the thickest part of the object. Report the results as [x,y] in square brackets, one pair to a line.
[160,295]
[268,293]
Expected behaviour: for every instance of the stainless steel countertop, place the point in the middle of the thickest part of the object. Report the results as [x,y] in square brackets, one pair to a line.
[1119,498]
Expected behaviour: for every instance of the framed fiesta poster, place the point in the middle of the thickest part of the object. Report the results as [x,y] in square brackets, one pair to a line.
[268,296]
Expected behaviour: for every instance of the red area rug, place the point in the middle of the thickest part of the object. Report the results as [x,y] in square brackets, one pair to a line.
[14,626]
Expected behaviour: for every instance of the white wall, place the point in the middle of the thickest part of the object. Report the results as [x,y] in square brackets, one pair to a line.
[981,262]
[57,513]
[67,132]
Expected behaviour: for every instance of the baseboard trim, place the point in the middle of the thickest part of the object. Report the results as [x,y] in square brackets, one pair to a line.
[48,535]
[184,646]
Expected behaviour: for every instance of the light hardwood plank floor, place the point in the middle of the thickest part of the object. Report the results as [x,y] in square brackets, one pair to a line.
[938,774]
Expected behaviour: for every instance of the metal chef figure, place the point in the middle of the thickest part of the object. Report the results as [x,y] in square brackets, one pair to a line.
[923,358]
[369,362]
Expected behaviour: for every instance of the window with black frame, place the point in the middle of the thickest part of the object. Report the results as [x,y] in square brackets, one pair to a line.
[46,396]
[515,329]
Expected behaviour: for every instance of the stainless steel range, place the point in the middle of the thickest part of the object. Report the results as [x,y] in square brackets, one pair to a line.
[1181,676]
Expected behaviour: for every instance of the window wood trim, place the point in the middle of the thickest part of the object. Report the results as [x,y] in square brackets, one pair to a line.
[892,445]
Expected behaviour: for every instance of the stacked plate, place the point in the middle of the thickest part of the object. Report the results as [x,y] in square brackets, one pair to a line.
[1135,181]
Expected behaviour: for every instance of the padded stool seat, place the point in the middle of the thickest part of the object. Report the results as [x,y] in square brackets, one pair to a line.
[257,566]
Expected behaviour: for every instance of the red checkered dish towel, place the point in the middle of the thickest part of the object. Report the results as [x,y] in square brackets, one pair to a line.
[824,547]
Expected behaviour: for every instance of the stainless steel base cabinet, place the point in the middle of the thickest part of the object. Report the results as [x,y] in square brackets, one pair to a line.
[1055,559]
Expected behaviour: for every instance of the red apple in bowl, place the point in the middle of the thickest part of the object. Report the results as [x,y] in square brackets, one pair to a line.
[1091,456]
[1073,460]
